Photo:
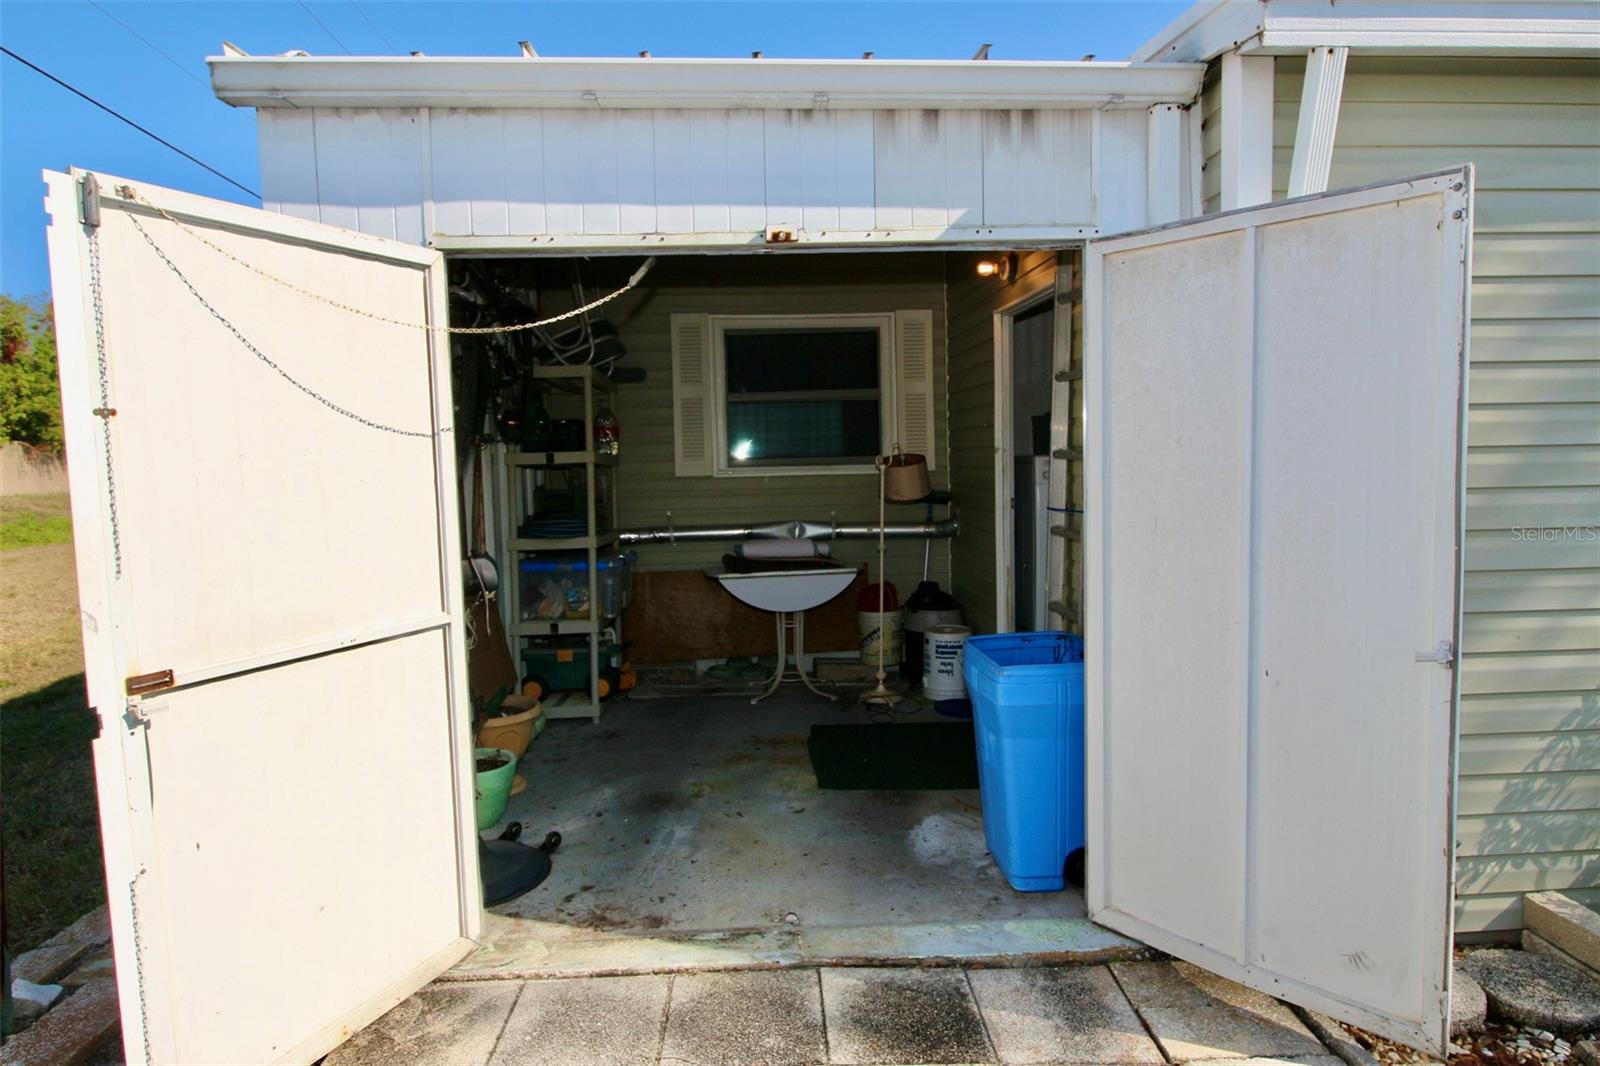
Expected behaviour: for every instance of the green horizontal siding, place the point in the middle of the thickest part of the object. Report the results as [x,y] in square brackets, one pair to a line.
[1529,793]
[808,284]
[972,302]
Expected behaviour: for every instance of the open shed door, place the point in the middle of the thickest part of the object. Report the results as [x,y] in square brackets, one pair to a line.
[264,508]
[1274,457]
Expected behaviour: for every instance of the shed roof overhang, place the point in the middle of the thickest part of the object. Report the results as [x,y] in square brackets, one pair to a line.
[1378,27]
[545,82]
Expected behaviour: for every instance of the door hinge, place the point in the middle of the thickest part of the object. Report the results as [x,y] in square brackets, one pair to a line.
[142,684]
[89,201]
[1444,654]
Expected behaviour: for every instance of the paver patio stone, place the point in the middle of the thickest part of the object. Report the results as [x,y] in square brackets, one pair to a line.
[1196,1015]
[746,1018]
[456,1023]
[585,1021]
[1061,1014]
[902,1016]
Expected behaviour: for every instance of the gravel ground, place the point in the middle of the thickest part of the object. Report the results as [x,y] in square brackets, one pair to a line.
[1498,1045]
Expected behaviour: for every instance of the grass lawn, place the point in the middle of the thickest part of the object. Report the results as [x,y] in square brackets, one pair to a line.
[49,827]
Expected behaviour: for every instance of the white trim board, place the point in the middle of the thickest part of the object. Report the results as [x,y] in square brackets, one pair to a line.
[821,84]
[1448,27]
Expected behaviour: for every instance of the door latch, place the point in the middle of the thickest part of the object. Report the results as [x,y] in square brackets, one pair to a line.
[133,714]
[1444,654]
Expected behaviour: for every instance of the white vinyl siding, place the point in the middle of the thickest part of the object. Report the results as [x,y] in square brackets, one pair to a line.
[410,173]
[1529,795]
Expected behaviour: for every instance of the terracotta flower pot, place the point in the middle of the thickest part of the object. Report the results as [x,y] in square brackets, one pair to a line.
[513,732]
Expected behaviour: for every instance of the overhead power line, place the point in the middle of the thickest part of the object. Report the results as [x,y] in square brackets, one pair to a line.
[324,26]
[384,37]
[119,116]
[191,75]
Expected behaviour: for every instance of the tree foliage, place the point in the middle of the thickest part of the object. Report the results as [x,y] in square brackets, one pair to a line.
[30,396]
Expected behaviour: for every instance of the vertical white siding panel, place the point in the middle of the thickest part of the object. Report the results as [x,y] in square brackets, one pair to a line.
[453,164]
[1124,144]
[674,159]
[897,158]
[1071,193]
[781,152]
[565,174]
[408,185]
[747,184]
[372,154]
[598,158]
[963,167]
[339,172]
[852,135]
[819,195]
[522,153]
[490,194]
[288,143]
[708,170]
[1001,153]
[1035,161]
[636,171]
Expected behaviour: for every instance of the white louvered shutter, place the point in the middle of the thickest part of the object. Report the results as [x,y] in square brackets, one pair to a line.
[691,395]
[913,367]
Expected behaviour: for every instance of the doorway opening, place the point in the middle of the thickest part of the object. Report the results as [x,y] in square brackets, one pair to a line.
[695,830]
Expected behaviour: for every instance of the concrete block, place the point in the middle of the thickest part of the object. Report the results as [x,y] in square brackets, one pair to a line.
[1565,923]
[1469,1007]
[1532,990]
[902,1016]
[58,955]
[770,1017]
[1537,944]
[1587,1052]
[70,1033]
[589,1021]
[456,1023]
[1060,1014]
[1196,1015]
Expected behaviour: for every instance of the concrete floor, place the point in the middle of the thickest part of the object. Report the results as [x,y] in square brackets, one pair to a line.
[1134,1013]
[695,825]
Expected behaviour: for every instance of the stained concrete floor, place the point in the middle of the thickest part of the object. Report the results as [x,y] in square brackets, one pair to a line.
[696,826]
[1126,1013]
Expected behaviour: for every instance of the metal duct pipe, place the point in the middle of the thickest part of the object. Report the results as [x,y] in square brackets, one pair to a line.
[947,527]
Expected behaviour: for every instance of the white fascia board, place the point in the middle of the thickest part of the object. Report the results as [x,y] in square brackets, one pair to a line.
[1204,32]
[516,82]
[1379,27]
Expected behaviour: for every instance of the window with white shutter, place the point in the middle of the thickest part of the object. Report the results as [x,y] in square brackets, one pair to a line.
[691,382]
[800,394]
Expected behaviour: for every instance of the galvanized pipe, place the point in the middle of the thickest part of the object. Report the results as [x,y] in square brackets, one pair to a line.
[947,527]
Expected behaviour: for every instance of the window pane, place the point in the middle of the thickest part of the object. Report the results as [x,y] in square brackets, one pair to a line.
[788,360]
[790,431]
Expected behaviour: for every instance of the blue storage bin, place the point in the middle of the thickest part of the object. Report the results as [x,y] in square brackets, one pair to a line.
[1027,701]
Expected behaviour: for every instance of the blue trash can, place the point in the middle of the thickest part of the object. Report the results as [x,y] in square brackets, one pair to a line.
[1027,701]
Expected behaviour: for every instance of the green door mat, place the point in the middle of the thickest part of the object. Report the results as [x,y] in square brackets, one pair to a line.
[909,756]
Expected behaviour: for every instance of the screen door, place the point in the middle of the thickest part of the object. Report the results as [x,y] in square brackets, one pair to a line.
[1274,453]
[264,508]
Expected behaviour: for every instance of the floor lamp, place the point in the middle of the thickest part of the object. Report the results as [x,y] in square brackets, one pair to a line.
[902,478]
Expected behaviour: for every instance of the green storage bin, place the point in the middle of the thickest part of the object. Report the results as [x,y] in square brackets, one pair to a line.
[563,663]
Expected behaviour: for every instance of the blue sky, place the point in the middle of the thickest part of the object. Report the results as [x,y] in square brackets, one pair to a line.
[147,60]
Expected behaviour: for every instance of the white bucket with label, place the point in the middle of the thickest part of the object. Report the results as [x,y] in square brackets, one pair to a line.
[887,629]
[942,648]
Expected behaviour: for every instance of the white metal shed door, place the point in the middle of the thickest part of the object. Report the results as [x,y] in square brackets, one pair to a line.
[1274,511]
[287,817]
